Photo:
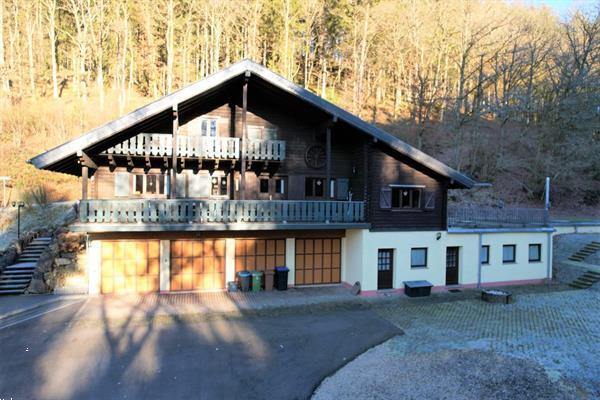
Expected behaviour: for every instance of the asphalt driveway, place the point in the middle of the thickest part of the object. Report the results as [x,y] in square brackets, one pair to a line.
[278,355]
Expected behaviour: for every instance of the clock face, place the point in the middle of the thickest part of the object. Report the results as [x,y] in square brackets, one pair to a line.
[315,156]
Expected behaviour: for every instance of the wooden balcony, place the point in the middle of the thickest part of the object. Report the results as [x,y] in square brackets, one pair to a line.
[205,147]
[195,212]
[160,145]
[269,150]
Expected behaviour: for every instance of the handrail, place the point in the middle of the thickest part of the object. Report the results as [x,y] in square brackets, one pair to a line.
[489,216]
[224,211]
[206,147]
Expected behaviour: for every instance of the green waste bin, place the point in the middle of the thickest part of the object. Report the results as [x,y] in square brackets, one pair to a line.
[256,280]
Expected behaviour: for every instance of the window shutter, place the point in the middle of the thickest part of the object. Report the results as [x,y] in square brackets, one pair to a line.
[199,185]
[122,184]
[385,198]
[342,188]
[429,199]
[180,185]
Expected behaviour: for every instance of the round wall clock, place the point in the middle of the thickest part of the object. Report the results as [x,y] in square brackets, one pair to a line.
[315,156]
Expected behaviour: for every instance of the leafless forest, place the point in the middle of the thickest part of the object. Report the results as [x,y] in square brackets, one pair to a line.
[504,92]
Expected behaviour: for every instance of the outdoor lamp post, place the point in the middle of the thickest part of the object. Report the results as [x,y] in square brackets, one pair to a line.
[18,204]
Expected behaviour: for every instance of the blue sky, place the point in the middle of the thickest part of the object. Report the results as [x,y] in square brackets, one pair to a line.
[562,7]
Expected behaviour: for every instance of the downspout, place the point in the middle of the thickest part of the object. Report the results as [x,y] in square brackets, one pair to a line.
[479,261]
[549,259]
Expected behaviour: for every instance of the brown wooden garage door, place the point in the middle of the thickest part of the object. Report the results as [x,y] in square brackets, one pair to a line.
[198,264]
[130,266]
[318,261]
[259,254]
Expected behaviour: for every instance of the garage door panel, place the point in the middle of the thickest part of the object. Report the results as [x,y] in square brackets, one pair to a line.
[195,264]
[280,261]
[299,277]
[129,269]
[335,274]
[318,261]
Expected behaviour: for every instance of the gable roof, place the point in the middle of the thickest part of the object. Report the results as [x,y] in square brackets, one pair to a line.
[56,158]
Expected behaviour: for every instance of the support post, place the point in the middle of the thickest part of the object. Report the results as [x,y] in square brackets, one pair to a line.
[173,186]
[290,259]
[165,266]
[328,162]
[229,260]
[84,182]
[244,138]
[94,261]
[232,120]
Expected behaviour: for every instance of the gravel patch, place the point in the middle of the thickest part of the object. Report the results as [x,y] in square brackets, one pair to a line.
[382,373]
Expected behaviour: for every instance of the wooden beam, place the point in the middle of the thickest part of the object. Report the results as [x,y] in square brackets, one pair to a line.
[129,163]
[175,130]
[86,160]
[111,162]
[244,139]
[84,182]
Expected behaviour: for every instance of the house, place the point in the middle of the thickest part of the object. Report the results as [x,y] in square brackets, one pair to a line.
[245,170]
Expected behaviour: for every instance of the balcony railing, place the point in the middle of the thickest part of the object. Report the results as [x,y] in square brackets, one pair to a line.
[157,144]
[219,211]
[494,217]
[206,147]
[265,150]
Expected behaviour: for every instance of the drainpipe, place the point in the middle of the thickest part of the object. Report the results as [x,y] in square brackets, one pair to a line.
[479,262]
[549,259]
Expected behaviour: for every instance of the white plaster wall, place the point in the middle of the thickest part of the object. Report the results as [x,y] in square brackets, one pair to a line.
[352,256]
[521,269]
[94,260]
[361,249]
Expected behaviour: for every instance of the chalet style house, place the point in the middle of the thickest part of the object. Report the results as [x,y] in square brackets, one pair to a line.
[245,170]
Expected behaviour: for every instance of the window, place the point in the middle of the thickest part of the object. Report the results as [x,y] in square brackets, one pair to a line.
[138,184]
[219,186]
[403,197]
[270,133]
[485,254]
[254,132]
[535,252]
[314,187]
[279,186]
[384,259]
[509,253]
[418,257]
[149,184]
[208,127]
[264,185]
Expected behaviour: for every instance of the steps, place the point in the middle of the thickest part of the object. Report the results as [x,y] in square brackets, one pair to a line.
[586,280]
[585,251]
[15,278]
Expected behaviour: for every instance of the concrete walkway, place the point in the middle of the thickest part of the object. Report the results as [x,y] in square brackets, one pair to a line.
[207,303]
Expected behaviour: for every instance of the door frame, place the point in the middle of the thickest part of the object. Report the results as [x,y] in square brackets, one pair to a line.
[457,249]
[390,253]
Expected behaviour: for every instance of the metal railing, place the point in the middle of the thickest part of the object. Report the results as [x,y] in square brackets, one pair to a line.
[493,216]
[222,211]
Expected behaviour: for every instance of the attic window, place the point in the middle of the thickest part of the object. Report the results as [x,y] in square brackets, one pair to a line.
[208,127]
[403,197]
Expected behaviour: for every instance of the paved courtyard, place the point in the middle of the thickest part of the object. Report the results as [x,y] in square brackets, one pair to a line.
[556,336]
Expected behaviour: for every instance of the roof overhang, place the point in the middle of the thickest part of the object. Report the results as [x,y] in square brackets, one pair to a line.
[64,157]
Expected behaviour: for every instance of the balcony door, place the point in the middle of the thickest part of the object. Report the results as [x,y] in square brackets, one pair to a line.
[272,188]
